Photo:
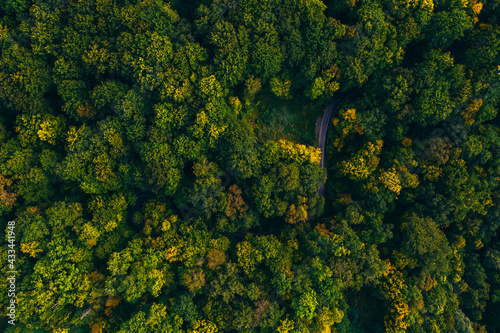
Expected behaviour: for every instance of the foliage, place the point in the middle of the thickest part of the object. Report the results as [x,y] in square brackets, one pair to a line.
[158,159]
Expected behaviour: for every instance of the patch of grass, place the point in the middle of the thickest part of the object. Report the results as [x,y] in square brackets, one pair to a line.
[293,120]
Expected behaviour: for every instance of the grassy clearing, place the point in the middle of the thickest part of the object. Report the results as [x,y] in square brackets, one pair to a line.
[293,120]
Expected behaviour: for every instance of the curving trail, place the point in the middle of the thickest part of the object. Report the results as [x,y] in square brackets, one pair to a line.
[323,130]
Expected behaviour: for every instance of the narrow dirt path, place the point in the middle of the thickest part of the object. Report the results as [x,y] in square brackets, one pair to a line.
[322,131]
[323,128]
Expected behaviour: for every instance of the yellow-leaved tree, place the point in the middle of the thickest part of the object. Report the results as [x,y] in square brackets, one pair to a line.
[392,288]
[299,153]
[363,162]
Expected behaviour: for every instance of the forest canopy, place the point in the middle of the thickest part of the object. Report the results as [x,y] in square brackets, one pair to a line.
[159,169]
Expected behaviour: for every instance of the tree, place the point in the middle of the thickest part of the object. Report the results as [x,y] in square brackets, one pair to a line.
[316,89]
[62,267]
[473,300]
[363,162]
[305,305]
[232,52]
[162,163]
[410,19]
[248,257]
[154,318]
[26,77]
[462,323]
[440,86]
[7,196]
[97,161]
[31,180]
[373,43]
[236,207]
[281,88]
[265,51]
[227,283]
[445,27]
[135,272]
[426,242]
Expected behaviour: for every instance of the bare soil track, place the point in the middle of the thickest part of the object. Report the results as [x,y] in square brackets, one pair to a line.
[323,128]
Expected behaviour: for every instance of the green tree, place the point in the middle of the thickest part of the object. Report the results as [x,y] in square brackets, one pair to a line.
[446,27]
[156,317]
[232,52]
[305,305]
[426,242]
[97,161]
[440,86]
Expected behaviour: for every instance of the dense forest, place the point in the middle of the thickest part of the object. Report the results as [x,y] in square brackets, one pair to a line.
[158,162]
